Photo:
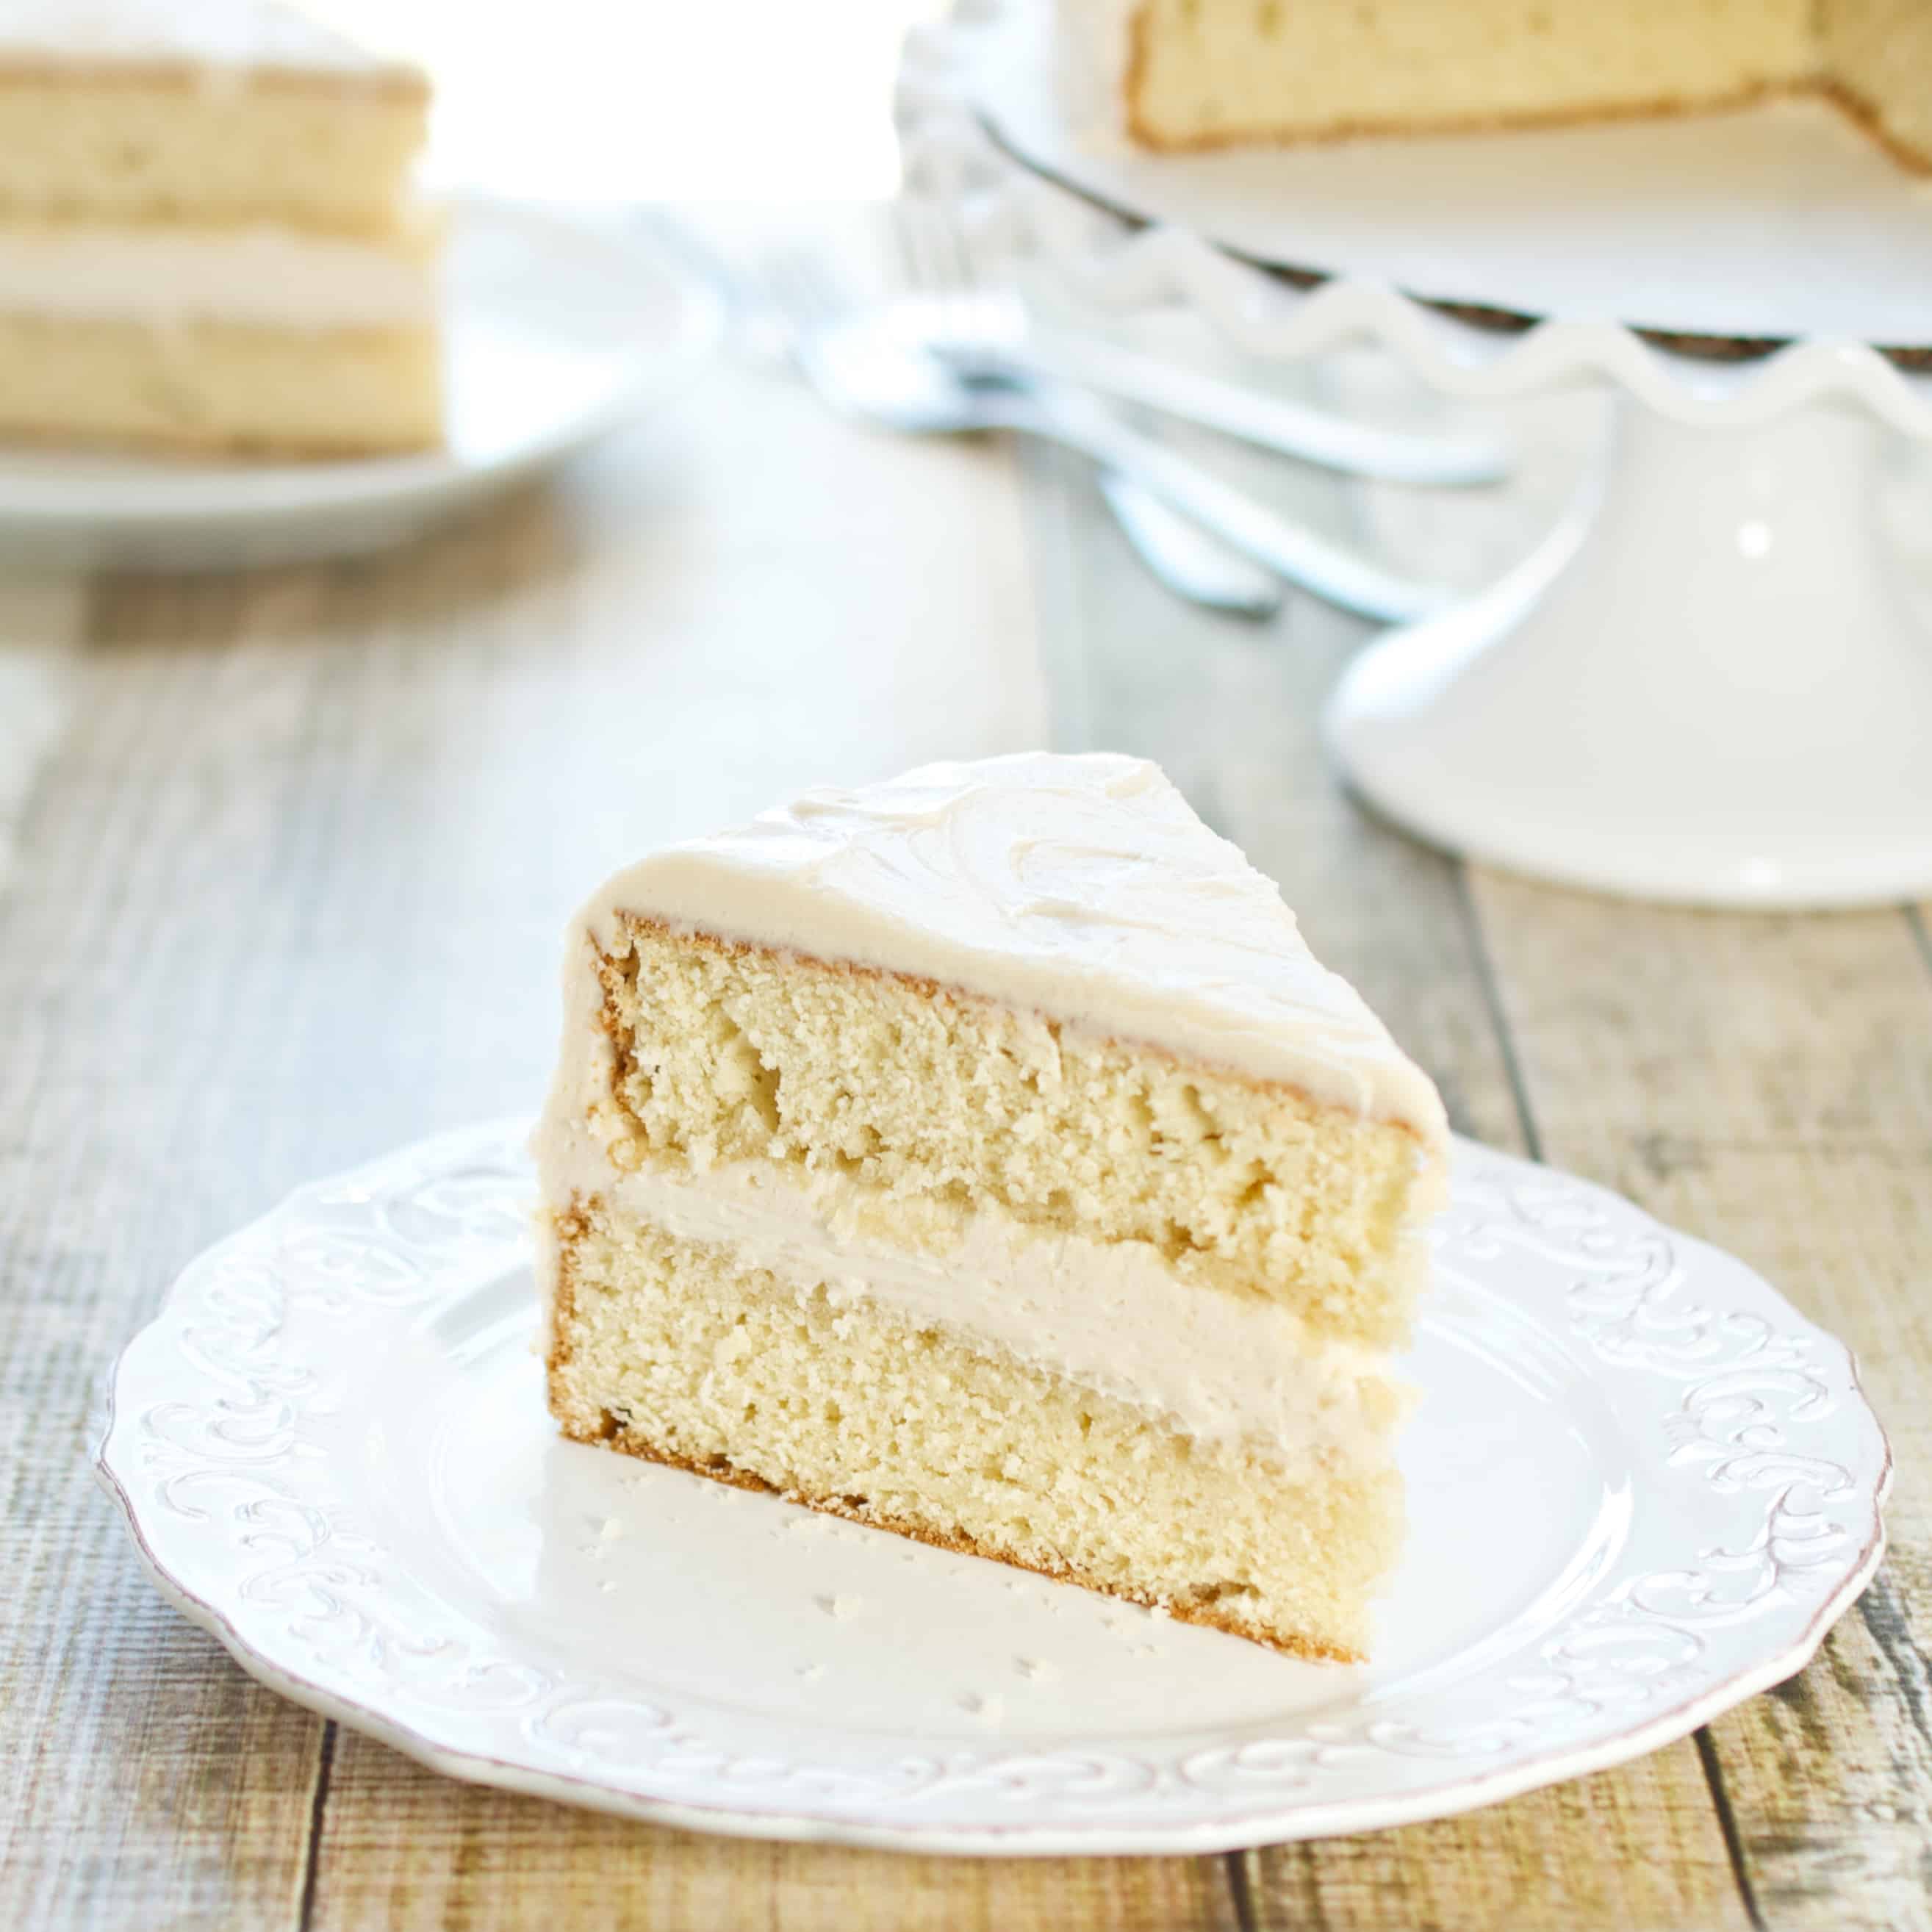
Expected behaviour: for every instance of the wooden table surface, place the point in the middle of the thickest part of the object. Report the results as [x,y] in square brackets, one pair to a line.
[284,859]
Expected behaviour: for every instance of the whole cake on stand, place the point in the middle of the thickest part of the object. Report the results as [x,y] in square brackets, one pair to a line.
[1714,688]
[1205,73]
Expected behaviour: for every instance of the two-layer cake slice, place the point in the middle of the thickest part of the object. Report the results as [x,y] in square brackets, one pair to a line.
[1207,74]
[208,240]
[984,1156]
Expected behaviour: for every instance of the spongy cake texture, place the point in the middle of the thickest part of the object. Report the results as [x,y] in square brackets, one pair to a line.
[729,1052]
[219,387]
[148,148]
[744,1135]
[669,1351]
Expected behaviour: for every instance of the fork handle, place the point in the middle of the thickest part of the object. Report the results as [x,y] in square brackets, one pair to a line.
[1335,575]
[1270,422]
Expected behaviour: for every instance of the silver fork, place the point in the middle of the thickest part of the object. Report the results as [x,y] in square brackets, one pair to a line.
[973,326]
[1195,566]
[992,335]
[861,365]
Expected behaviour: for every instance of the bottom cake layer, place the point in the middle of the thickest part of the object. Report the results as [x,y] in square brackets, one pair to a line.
[221,386]
[672,1350]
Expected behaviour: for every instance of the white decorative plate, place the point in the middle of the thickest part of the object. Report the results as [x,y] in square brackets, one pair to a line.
[1642,1488]
[558,329]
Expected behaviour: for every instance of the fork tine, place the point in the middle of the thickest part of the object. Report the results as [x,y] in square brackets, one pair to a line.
[925,270]
[939,272]
[950,241]
[980,303]
[951,271]
[972,317]
[908,227]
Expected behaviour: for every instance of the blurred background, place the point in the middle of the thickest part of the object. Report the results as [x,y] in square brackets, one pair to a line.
[655,103]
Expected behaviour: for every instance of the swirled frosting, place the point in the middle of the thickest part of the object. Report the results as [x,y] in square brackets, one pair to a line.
[1082,887]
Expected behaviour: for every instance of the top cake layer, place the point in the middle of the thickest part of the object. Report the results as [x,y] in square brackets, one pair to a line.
[1033,997]
[1080,887]
[211,111]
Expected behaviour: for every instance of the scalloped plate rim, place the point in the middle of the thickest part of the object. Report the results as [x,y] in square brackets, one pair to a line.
[1281,1824]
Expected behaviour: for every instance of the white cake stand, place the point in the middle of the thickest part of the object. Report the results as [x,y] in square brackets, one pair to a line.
[1710,687]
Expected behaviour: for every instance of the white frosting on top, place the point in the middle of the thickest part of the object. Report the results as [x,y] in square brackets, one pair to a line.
[1081,887]
[267,276]
[1111,1316]
[218,33]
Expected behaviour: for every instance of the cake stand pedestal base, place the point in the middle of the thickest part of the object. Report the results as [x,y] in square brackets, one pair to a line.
[1708,686]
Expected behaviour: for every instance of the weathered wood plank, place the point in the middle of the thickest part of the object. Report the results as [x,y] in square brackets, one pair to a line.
[405,1852]
[1766,1083]
[139,1771]
[41,623]
[1231,711]
[288,892]
[1634,1849]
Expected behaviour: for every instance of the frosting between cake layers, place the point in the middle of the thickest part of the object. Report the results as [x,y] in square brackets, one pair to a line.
[264,276]
[1109,1316]
[1083,888]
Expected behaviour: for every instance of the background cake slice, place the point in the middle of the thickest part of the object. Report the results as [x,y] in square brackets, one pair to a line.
[984,1156]
[1198,73]
[207,239]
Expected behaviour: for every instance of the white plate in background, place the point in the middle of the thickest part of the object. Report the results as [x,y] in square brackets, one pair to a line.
[558,329]
[1641,1488]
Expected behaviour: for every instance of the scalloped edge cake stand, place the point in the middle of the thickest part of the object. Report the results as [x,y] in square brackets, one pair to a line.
[1711,689]
[1708,685]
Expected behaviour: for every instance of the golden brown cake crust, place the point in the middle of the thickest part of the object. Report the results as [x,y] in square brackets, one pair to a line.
[1852,104]
[630,1442]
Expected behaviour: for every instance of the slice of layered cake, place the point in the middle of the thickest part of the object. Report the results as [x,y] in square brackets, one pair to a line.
[207,241]
[1205,73]
[984,1156]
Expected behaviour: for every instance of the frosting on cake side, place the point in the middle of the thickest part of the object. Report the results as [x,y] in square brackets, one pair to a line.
[1110,1316]
[159,273]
